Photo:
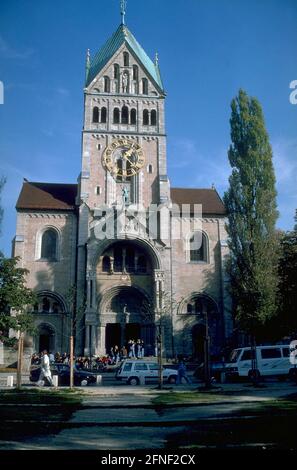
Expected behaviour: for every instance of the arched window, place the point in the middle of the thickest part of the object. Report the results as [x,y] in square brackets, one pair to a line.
[116,116]
[116,71]
[135,72]
[125,115]
[198,306]
[198,247]
[133,116]
[49,243]
[144,86]
[141,264]
[189,308]
[103,115]
[45,304]
[106,85]
[153,117]
[56,307]
[130,260]
[106,264]
[145,117]
[118,260]
[150,168]
[48,303]
[126,59]
[95,114]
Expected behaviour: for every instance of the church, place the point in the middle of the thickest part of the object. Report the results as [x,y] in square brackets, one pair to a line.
[121,254]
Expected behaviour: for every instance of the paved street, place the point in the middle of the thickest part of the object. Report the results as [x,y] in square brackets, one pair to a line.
[123,417]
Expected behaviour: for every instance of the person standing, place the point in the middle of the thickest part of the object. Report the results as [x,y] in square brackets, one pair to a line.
[45,369]
[142,348]
[116,353]
[182,373]
[138,349]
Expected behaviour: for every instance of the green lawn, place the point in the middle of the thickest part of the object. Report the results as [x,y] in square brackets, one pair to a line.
[19,417]
[172,398]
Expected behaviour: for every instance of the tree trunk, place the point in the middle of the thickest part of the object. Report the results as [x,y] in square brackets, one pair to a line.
[160,358]
[71,360]
[20,361]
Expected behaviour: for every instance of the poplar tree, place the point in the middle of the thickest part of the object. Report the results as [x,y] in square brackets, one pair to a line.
[251,206]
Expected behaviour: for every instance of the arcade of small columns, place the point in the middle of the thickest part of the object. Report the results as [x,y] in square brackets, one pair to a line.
[97,319]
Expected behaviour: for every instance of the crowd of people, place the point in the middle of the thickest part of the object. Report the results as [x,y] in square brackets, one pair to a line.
[133,350]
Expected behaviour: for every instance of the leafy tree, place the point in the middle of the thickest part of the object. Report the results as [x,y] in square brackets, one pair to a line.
[287,270]
[2,183]
[251,206]
[14,295]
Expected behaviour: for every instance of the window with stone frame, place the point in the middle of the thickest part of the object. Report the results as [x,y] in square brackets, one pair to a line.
[103,117]
[95,114]
[198,248]
[153,117]
[145,118]
[48,304]
[116,116]
[49,245]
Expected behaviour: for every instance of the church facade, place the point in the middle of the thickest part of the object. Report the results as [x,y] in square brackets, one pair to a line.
[121,254]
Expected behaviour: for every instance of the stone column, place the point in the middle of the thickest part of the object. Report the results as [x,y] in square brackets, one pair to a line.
[93,339]
[87,341]
[94,293]
[100,340]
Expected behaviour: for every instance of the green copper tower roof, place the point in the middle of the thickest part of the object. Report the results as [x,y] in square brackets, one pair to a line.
[121,36]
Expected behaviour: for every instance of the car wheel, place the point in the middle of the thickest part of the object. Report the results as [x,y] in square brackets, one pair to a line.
[133,381]
[254,374]
[84,382]
[172,379]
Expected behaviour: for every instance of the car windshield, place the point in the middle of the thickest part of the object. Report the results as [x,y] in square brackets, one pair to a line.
[234,355]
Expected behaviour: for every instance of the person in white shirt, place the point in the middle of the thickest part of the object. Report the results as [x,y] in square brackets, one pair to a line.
[45,369]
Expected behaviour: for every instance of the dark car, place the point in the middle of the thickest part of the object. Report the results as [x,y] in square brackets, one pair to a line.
[80,377]
[216,369]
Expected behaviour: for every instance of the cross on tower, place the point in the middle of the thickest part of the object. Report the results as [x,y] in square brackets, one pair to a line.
[123,10]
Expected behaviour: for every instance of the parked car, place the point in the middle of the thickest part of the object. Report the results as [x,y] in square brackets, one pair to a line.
[132,371]
[270,361]
[80,377]
[216,368]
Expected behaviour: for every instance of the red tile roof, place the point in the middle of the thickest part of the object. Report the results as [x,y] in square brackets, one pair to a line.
[49,196]
[209,198]
[53,196]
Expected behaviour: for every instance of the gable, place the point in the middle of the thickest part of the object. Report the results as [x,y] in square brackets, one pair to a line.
[110,50]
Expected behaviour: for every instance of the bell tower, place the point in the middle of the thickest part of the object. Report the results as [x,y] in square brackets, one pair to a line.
[123,137]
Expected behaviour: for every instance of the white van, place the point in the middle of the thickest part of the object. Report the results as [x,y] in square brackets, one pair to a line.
[133,371]
[271,360]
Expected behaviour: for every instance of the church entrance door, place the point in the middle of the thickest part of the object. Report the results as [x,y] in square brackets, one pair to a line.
[112,336]
[132,331]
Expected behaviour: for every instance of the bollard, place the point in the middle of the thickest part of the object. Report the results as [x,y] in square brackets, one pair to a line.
[99,380]
[10,381]
[55,380]
[142,380]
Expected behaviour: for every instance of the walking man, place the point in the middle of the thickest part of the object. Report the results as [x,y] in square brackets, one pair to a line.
[182,373]
[45,369]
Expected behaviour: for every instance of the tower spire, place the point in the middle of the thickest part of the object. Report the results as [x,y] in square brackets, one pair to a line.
[123,10]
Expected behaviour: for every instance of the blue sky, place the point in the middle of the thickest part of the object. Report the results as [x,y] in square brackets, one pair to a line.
[208,49]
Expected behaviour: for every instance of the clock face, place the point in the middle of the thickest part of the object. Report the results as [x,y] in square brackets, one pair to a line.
[123,158]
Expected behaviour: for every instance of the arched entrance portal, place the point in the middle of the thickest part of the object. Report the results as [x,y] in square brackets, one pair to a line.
[205,310]
[198,340]
[128,315]
[45,338]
